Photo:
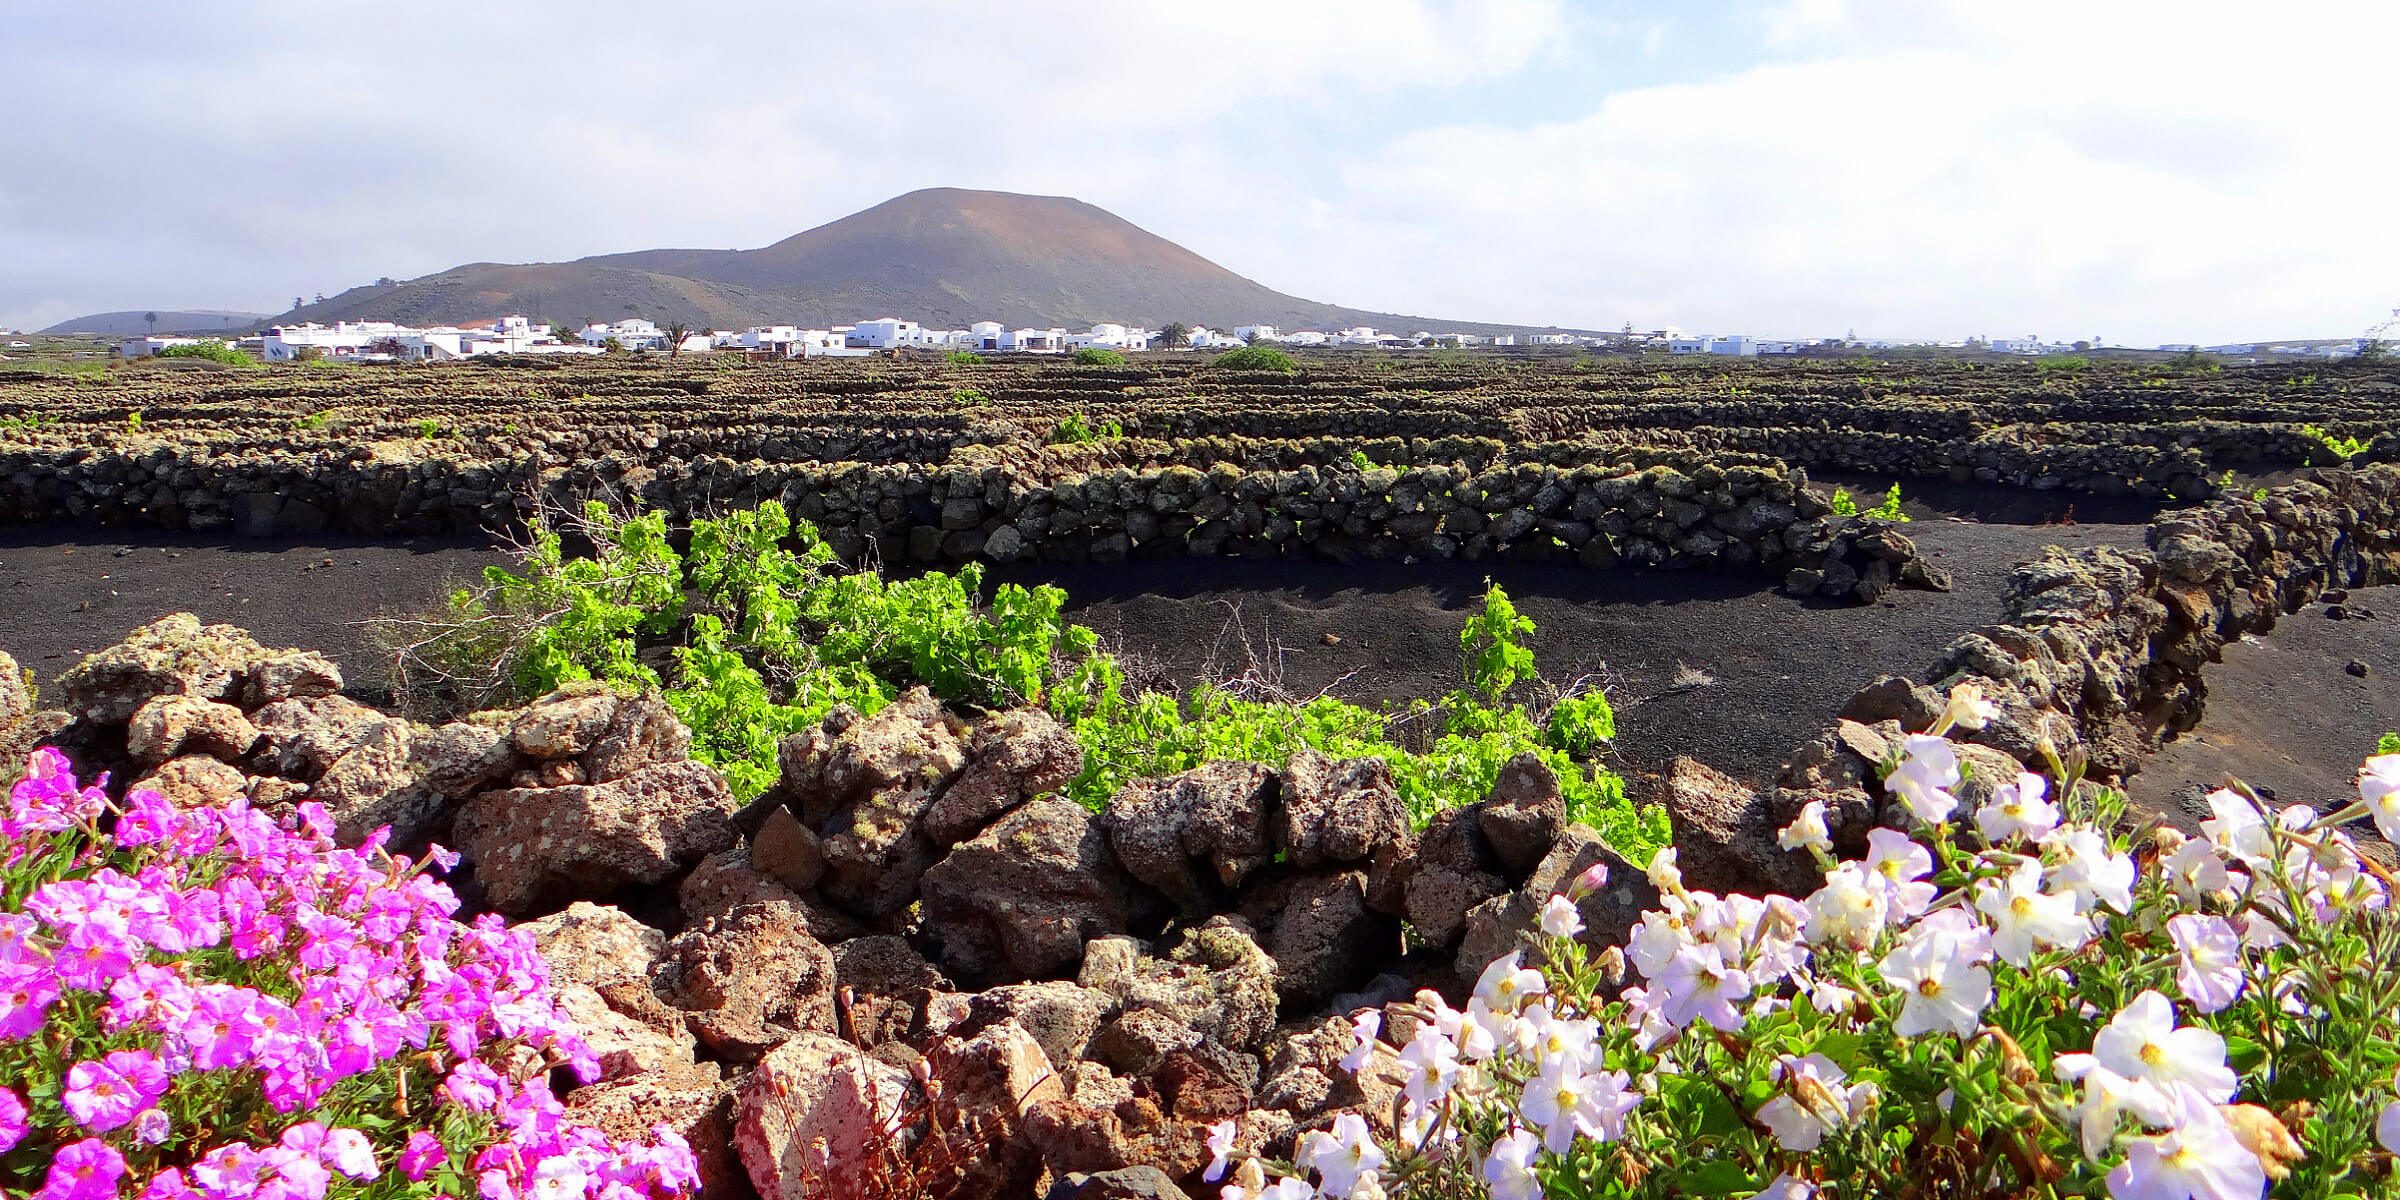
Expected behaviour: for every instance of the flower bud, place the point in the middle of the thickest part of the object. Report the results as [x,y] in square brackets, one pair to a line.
[1593,878]
[1968,709]
[1612,966]
[1664,874]
[1251,1177]
[2261,1134]
[2168,839]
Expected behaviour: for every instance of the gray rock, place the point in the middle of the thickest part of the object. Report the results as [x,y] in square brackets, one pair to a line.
[1524,813]
[172,656]
[177,724]
[1338,812]
[1021,899]
[751,979]
[1017,755]
[1195,835]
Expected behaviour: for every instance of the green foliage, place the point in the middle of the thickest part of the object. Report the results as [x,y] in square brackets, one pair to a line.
[1077,429]
[765,634]
[1171,336]
[1094,356]
[1495,656]
[2343,448]
[429,429]
[963,358]
[211,351]
[2055,363]
[2388,744]
[1359,459]
[1889,510]
[1256,358]
[315,420]
[1844,504]
[133,421]
[967,397]
[29,421]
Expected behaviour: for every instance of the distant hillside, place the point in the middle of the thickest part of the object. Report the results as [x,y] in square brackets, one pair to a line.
[943,256]
[186,321]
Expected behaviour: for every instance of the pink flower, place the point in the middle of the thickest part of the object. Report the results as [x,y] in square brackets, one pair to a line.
[12,1120]
[99,1098]
[422,1156]
[85,1170]
[170,1185]
[27,991]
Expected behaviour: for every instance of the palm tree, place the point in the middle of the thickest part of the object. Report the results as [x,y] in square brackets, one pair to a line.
[152,318]
[676,332]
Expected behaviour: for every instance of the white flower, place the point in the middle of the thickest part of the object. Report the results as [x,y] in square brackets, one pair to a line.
[1785,1187]
[2144,1043]
[2107,1097]
[1220,1149]
[2194,871]
[1567,1103]
[1656,940]
[1698,986]
[1942,989]
[2089,870]
[1968,709]
[1505,984]
[1850,908]
[2199,1158]
[1901,865]
[1346,1157]
[2208,963]
[1428,1065]
[1813,1100]
[1509,1168]
[1559,918]
[1547,1038]
[1663,873]
[1288,1189]
[1831,998]
[1807,831]
[2023,915]
[2387,1126]
[1928,770]
[2379,786]
[2238,830]
[2020,809]
[1363,1029]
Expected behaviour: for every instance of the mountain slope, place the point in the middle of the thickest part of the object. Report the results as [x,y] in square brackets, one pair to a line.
[944,256]
[132,322]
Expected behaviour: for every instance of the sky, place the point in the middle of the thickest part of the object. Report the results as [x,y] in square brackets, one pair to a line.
[2135,172]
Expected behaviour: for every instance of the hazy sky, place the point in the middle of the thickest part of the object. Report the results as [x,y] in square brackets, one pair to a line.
[2142,172]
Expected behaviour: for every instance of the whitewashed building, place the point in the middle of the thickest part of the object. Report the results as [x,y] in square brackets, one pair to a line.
[632,333]
[1257,333]
[144,347]
[342,339]
[1108,335]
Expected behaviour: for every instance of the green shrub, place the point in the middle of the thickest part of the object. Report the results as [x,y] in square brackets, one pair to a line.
[964,358]
[212,351]
[2050,363]
[1094,356]
[1077,429]
[2343,448]
[2388,744]
[1256,358]
[765,634]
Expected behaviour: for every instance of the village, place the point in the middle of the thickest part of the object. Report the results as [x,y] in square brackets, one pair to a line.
[386,341]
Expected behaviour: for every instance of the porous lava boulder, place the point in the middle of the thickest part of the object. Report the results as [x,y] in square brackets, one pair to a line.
[167,726]
[1017,755]
[1523,815]
[16,706]
[1451,869]
[1725,835]
[695,1100]
[195,781]
[600,962]
[1214,985]
[751,978]
[814,1116]
[172,656]
[1506,922]
[1321,933]
[1021,899]
[877,779]
[1338,811]
[1197,835]
[536,849]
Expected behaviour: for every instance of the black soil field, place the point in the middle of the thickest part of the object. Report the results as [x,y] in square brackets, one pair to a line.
[1722,667]
[67,591]
[2287,714]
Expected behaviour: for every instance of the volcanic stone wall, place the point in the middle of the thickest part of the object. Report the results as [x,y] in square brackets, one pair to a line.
[1754,516]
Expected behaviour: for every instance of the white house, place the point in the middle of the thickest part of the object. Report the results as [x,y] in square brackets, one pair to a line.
[885,333]
[144,347]
[342,339]
[632,333]
[1108,335]
[1737,345]
[1034,341]
[1257,333]
[1504,339]
[1306,337]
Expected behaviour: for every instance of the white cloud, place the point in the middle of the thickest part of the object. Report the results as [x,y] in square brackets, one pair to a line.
[1918,169]
[2142,171]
